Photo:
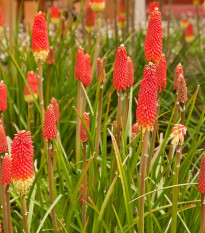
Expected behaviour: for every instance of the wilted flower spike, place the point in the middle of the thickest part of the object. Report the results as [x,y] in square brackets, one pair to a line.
[201,183]
[100,71]
[189,33]
[80,65]
[98,5]
[83,133]
[33,84]
[3,142]
[22,153]
[120,72]
[55,14]
[89,17]
[40,44]
[182,90]
[6,178]
[49,126]
[178,133]
[147,99]
[51,57]
[56,109]
[161,73]
[3,97]
[153,40]
[130,71]
[179,71]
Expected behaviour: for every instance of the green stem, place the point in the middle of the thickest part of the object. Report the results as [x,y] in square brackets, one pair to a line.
[183,110]
[84,186]
[48,85]
[142,180]
[126,109]
[202,227]
[40,91]
[89,42]
[24,213]
[119,110]
[8,210]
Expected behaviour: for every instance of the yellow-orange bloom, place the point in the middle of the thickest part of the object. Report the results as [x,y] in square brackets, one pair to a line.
[178,133]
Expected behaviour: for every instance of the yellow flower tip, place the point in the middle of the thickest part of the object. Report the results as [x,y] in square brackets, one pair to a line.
[189,39]
[54,20]
[22,186]
[41,55]
[98,7]
[147,128]
[29,98]
[89,29]
[178,133]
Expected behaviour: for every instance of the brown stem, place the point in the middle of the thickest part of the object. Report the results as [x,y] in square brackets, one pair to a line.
[183,110]
[84,186]
[8,209]
[4,209]
[126,109]
[50,179]
[24,213]
[133,28]
[128,17]
[119,109]
[142,180]
[99,121]
[176,109]
[116,26]
[40,91]
[48,85]
[202,228]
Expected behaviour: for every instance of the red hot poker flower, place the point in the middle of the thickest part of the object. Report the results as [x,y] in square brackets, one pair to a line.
[83,133]
[80,65]
[88,76]
[147,99]
[121,20]
[201,182]
[98,5]
[120,72]
[1,18]
[49,126]
[179,71]
[182,90]
[6,178]
[161,73]
[153,40]
[152,7]
[122,8]
[33,84]
[55,14]
[130,71]
[22,170]
[40,44]
[99,71]
[3,97]
[56,109]
[89,17]
[3,141]
[189,33]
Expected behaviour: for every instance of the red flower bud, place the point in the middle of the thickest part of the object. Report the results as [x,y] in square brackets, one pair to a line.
[179,71]
[161,73]
[189,33]
[100,71]
[33,84]
[0,226]
[83,133]
[120,72]
[121,20]
[56,109]
[80,65]
[40,44]
[55,14]
[49,126]
[3,97]
[153,41]
[22,171]
[6,178]
[182,90]
[3,141]
[201,183]
[89,17]
[130,71]
[147,99]
[1,18]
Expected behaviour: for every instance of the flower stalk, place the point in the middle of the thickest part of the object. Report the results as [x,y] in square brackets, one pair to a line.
[84,185]
[40,88]
[202,227]
[24,213]
[8,209]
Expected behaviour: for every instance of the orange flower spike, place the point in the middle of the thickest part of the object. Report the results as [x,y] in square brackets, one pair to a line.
[178,133]
[49,126]
[182,90]
[80,65]
[6,178]
[122,8]
[189,33]
[153,40]
[55,14]
[40,44]
[51,57]
[134,130]
[161,73]
[201,182]
[184,23]
[147,99]
[3,97]
[3,141]
[32,81]
[120,72]
[130,72]
[88,77]
[22,170]
[98,5]
[56,109]
[152,6]
[89,17]
[99,71]
[179,71]
[83,133]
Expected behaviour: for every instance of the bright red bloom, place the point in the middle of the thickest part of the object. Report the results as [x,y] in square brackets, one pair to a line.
[201,182]
[153,40]
[89,17]
[3,97]
[98,5]
[179,71]
[55,13]
[56,109]
[130,71]
[49,126]
[81,190]
[100,71]
[51,57]
[80,65]
[3,141]
[189,33]
[1,18]
[161,73]
[33,84]
[152,7]
[120,72]
[88,76]
[83,133]
[63,25]
[22,153]
[6,178]
[122,8]
[40,44]
[121,20]
[182,90]
[147,99]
